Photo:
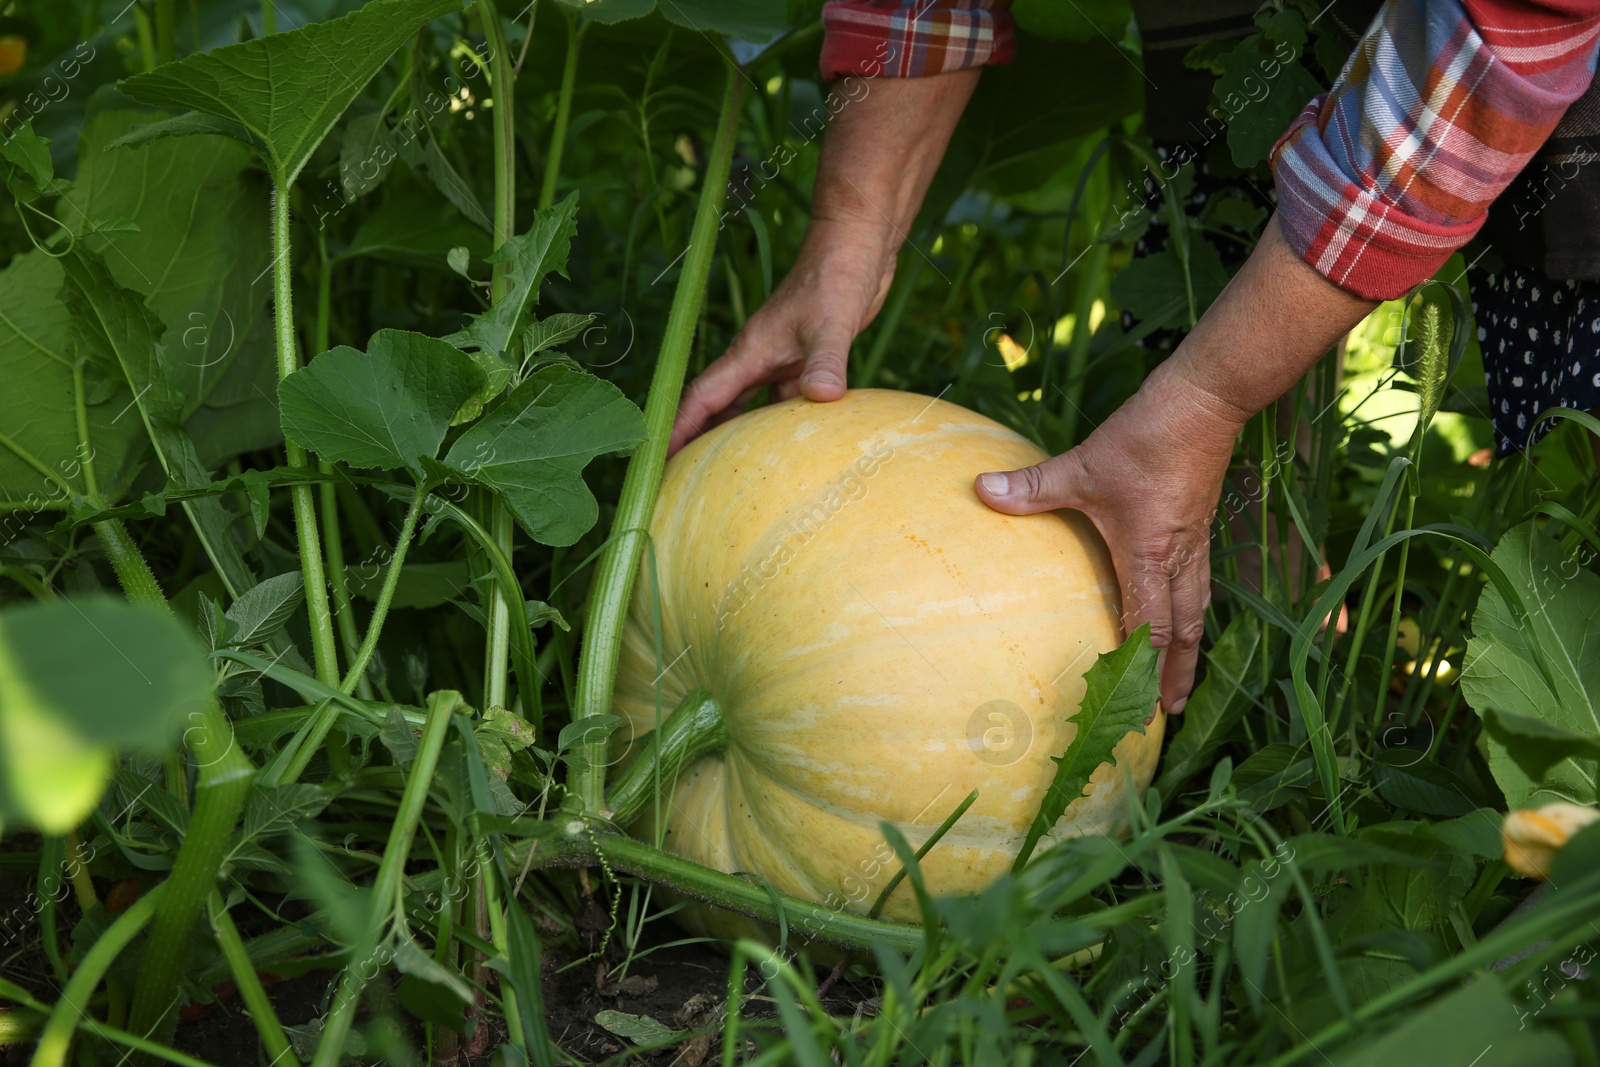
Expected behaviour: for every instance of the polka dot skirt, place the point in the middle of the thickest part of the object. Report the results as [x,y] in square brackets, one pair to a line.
[1541,350]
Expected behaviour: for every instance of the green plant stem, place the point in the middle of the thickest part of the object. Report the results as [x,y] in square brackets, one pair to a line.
[619,563]
[1564,923]
[583,846]
[298,755]
[166,32]
[324,649]
[56,1038]
[225,776]
[269,18]
[558,132]
[127,561]
[391,580]
[1082,333]
[19,1027]
[495,912]
[387,906]
[694,729]
[52,853]
[332,535]
[502,80]
[147,40]
[273,1039]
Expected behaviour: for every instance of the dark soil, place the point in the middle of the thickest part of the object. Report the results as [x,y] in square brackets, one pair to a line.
[681,987]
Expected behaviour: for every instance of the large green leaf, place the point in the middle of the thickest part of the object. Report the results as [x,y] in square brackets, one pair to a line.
[287,90]
[1502,673]
[1478,1024]
[534,446]
[40,456]
[1122,688]
[119,332]
[201,249]
[387,407]
[79,681]
[751,20]
[529,257]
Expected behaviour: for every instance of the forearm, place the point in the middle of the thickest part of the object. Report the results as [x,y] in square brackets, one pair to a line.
[1273,322]
[881,152]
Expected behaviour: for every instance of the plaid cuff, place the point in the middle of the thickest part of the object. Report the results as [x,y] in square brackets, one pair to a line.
[1438,109]
[913,38]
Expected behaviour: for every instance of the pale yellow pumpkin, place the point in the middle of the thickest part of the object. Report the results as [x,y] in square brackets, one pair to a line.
[880,642]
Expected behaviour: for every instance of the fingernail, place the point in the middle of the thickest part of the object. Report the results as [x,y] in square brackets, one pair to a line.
[1177,706]
[995,484]
[821,377]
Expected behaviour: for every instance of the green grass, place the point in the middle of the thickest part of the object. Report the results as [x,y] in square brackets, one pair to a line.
[412,802]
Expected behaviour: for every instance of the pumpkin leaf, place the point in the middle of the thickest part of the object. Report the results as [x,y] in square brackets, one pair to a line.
[202,221]
[387,407]
[41,458]
[749,20]
[59,733]
[534,446]
[1478,1024]
[529,256]
[1555,682]
[283,90]
[1123,685]
[1536,745]
[555,330]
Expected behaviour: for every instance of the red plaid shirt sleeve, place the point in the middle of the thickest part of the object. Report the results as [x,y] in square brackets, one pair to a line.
[913,38]
[1440,106]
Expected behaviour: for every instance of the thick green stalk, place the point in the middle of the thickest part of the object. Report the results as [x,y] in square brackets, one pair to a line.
[323,646]
[273,1039]
[166,32]
[56,1039]
[495,912]
[225,775]
[387,905]
[807,919]
[147,38]
[497,651]
[332,536]
[127,561]
[558,132]
[619,563]
[694,729]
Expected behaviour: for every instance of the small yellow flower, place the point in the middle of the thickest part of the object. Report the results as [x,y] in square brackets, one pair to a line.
[1532,838]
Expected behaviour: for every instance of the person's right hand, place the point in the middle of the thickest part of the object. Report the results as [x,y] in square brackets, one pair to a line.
[799,340]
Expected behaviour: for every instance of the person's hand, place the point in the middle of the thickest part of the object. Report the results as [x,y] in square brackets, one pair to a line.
[880,152]
[1149,478]
[799,340]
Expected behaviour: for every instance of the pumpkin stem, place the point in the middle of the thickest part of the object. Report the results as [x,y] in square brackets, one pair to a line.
[695,728]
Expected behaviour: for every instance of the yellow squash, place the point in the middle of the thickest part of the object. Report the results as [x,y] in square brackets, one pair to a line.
[881,643]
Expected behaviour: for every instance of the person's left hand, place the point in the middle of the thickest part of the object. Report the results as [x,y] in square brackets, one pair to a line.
[1149,478]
